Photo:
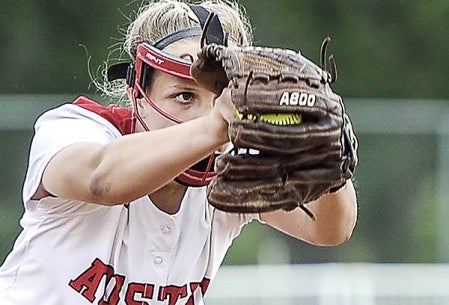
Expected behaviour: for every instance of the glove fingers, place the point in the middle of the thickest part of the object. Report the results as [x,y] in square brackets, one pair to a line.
[262,195]
[253,197]
[275,95]
[208,72]
[317,175]
[253,167]
[274,139]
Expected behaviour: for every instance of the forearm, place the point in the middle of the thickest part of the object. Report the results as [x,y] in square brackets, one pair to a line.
[336,216]
[132,166]
[148,160]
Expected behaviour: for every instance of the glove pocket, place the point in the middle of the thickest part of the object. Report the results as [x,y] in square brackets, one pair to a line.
[269,139]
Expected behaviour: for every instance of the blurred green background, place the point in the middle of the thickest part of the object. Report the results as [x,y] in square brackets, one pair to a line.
[391,56]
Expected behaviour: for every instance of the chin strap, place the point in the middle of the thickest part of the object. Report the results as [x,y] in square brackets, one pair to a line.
[200,174]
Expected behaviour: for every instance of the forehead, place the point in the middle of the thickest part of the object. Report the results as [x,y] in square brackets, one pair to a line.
[186,48]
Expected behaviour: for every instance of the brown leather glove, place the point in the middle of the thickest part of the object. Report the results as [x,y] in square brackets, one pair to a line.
[293,141]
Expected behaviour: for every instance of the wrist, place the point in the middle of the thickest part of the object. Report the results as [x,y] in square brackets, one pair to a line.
[217,129]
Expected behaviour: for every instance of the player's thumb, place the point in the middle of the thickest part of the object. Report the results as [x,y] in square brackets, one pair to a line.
[224,107]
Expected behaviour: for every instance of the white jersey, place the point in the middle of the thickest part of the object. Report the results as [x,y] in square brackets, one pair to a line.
[71,252]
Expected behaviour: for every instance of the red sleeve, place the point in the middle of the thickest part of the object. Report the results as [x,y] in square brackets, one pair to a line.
[120,117]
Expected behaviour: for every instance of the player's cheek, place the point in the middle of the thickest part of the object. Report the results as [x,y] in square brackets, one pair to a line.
[201,108]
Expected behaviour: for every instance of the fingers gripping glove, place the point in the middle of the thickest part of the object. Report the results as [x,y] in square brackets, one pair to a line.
[293,141]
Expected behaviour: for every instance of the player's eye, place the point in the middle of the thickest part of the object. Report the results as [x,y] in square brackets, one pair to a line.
[184,97]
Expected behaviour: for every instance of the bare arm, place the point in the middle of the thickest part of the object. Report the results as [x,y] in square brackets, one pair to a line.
[335,214]
[134,165]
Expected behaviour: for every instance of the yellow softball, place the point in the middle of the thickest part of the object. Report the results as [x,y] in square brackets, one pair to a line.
[282,118]
[275,118]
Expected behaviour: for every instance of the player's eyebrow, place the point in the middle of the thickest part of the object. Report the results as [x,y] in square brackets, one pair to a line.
[182,84]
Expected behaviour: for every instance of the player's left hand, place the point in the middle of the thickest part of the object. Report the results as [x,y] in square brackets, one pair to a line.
[293,139]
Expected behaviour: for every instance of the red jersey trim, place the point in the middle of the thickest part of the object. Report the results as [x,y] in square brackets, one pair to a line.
[120,117]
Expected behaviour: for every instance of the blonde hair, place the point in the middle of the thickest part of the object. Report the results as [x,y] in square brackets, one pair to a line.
[160,18]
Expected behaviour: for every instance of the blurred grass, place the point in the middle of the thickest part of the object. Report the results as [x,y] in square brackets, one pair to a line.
[13,158]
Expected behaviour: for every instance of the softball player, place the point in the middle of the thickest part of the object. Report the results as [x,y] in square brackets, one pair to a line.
[115,197]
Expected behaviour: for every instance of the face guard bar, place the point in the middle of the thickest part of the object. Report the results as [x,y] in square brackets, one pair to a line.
[137,75]
[148,56]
